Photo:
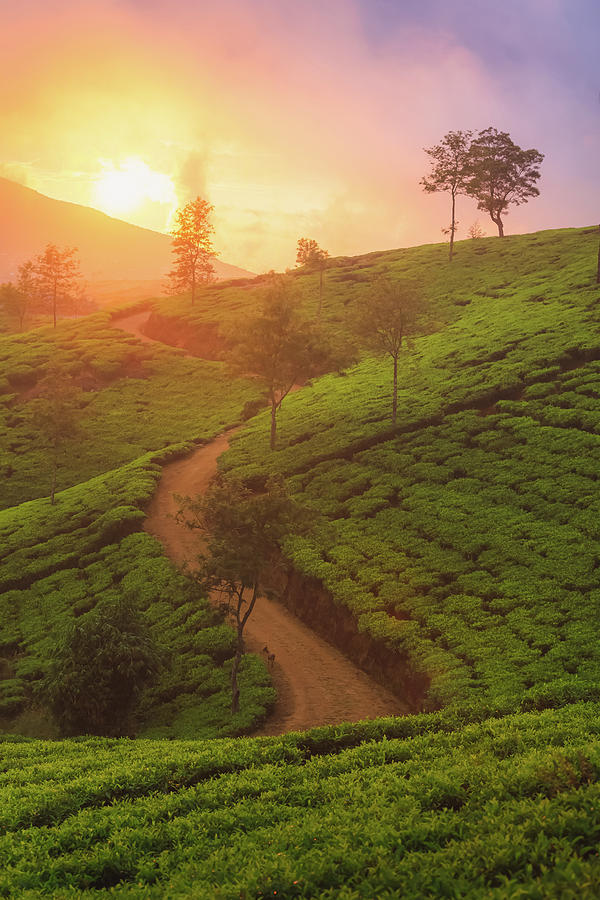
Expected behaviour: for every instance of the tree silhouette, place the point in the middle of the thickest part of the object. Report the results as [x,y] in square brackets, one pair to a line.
[56,279]
[500,173]
[312,256]
[449,171]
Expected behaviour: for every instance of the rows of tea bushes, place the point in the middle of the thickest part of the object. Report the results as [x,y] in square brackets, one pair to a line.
[466,538]
[58,563]
[406,807]
[134,398]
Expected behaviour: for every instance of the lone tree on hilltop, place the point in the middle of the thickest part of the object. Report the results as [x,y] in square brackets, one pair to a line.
[55,278]
[243,531]
[278,347]
[55,415]
[386,322]
[312,256]
[192,248]
[500,173]
[449,171]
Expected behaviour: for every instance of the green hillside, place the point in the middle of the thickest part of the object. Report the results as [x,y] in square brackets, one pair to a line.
[61,562]
[465,540]
[134,398]
[457,552]
[414,807]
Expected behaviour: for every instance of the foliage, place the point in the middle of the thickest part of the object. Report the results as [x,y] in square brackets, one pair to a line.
[387,319]
[449,161]
[100,668]
[134,398]
[242,530]
[59,563]
[498,808]
[277,347]
[55,416]
[192,247]
[55,279]
[14,302]
[500,173]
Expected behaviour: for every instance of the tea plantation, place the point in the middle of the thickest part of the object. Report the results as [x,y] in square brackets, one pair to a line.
[60,562]
[414,807]
[466,538]
[134,398]
[463,542]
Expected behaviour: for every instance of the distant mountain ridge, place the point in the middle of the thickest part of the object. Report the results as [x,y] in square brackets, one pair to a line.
[109,249]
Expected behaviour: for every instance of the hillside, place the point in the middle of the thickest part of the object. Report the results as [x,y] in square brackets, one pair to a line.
[413,807]
[109,249]
[454,556]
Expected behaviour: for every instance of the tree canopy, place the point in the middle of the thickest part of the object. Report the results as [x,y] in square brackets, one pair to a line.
[386,321]
[449,171]
[242,531]
[192,247]
[500,173]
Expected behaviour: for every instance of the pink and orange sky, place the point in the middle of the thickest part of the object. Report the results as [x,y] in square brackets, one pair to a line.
[296,118]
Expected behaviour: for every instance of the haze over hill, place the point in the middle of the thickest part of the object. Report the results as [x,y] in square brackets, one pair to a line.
[110,250]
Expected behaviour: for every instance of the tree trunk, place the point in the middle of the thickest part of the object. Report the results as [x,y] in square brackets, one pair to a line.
[273,423]
[499,224]
[395,394]
[193,289]
[598,270]
[452,226]
[235,690]
[53,488]
[54,306]
[320,292]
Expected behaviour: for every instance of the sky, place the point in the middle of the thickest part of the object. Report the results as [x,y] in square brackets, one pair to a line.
[296,119]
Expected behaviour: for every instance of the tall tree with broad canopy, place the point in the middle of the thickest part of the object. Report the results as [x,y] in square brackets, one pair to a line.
[242,531]
[57,280]
[312,256]
[192,248]
[386,321]
[449,171]
[500,173]
[279,347]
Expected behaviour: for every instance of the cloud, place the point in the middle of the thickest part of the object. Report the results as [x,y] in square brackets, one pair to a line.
[313,116]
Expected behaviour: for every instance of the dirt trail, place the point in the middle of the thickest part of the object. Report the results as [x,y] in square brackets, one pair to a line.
[133,325]
[316,684]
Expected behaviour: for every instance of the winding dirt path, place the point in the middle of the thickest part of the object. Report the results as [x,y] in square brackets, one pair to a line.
[316,684]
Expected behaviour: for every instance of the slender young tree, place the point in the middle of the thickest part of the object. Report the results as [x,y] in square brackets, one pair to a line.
[500,173]
[242,533]
[449,171]
[56,417]
[192,248]
[56,278]
[312,256]
[386,322]
[277,346]
[14,302]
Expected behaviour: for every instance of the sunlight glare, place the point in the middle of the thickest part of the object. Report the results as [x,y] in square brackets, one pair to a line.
[122,189]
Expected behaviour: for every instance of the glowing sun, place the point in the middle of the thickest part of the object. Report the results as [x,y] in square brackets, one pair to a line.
[124,188]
